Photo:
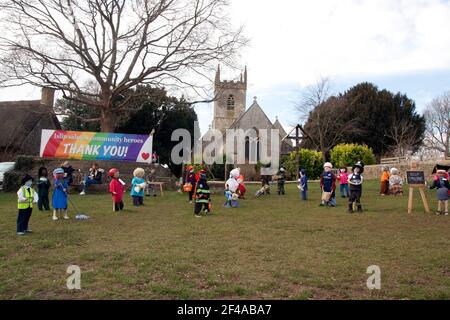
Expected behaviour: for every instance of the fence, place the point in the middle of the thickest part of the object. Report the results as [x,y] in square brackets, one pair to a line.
[396,160]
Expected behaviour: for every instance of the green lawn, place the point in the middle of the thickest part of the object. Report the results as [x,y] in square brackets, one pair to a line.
[270,248]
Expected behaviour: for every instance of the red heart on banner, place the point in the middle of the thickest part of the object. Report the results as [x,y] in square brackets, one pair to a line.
[145,156]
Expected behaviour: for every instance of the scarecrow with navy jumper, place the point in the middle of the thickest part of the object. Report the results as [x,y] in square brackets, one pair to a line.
[303,184]
[26,196]
[328,185]
[355,181]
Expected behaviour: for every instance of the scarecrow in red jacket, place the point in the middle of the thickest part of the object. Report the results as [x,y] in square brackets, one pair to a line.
[117,189]
[241,188]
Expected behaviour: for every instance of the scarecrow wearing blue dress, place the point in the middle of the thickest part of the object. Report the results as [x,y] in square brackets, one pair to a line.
[59,199]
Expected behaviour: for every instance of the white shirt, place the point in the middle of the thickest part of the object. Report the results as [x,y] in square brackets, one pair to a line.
[233,185]
[22,198]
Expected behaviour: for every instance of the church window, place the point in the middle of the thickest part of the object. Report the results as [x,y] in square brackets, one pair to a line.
[252,149]
[230,102]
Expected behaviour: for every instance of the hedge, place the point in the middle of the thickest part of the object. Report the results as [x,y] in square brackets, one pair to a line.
[310,160]
[346,155]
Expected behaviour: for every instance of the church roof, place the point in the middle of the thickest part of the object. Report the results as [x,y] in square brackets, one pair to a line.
[283,132]
[254,112]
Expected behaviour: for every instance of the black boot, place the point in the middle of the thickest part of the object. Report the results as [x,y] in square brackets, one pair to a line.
[360,209]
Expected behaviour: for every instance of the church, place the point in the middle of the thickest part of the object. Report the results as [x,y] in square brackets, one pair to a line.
[231,112]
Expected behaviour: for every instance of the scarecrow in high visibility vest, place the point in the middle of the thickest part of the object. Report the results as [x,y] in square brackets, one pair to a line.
[26,196]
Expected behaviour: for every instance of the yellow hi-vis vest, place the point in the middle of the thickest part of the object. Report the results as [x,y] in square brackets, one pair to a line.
[28,203]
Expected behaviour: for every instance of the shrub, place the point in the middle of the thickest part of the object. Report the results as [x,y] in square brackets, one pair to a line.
[24,163]
[310,160]
[11,181]
[346,155]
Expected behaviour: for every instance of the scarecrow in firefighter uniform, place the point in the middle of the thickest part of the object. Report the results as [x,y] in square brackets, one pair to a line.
[202,196]
[26,196]
[232,190]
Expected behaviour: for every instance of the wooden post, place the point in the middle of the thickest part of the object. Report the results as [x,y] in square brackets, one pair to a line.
[410,199]
[300,135]
[424,199]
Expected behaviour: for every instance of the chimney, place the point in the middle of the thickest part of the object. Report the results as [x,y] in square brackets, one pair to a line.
[48,97]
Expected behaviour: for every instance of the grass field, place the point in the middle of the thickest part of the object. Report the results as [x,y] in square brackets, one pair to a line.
[270,248]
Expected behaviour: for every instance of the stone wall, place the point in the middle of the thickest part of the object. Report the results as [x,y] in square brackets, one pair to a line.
[31,165]
[374,172]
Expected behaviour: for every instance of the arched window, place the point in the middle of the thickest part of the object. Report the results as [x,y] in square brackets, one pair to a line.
[252,149]
[230,102]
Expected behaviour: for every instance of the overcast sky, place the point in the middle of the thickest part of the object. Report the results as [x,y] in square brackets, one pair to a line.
[400,45]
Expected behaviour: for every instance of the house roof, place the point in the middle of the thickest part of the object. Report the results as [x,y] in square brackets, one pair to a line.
[21,118]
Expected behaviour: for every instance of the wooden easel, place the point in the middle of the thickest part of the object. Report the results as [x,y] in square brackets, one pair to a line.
[422,194]
[421,188]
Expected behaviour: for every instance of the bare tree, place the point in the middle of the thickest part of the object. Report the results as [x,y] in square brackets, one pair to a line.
[312,97]
[437,118]
[403,136]
[116,44]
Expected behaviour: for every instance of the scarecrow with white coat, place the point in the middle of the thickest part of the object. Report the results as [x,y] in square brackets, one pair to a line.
[232,189]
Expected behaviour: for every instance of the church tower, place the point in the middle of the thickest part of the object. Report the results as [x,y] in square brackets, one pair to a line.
[230,100]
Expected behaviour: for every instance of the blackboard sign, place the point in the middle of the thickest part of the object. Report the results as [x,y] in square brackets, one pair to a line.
[415,177]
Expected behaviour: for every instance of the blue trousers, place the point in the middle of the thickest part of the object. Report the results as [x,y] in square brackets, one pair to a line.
[23,218]
[304,195]
[88,181]
[344,190]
